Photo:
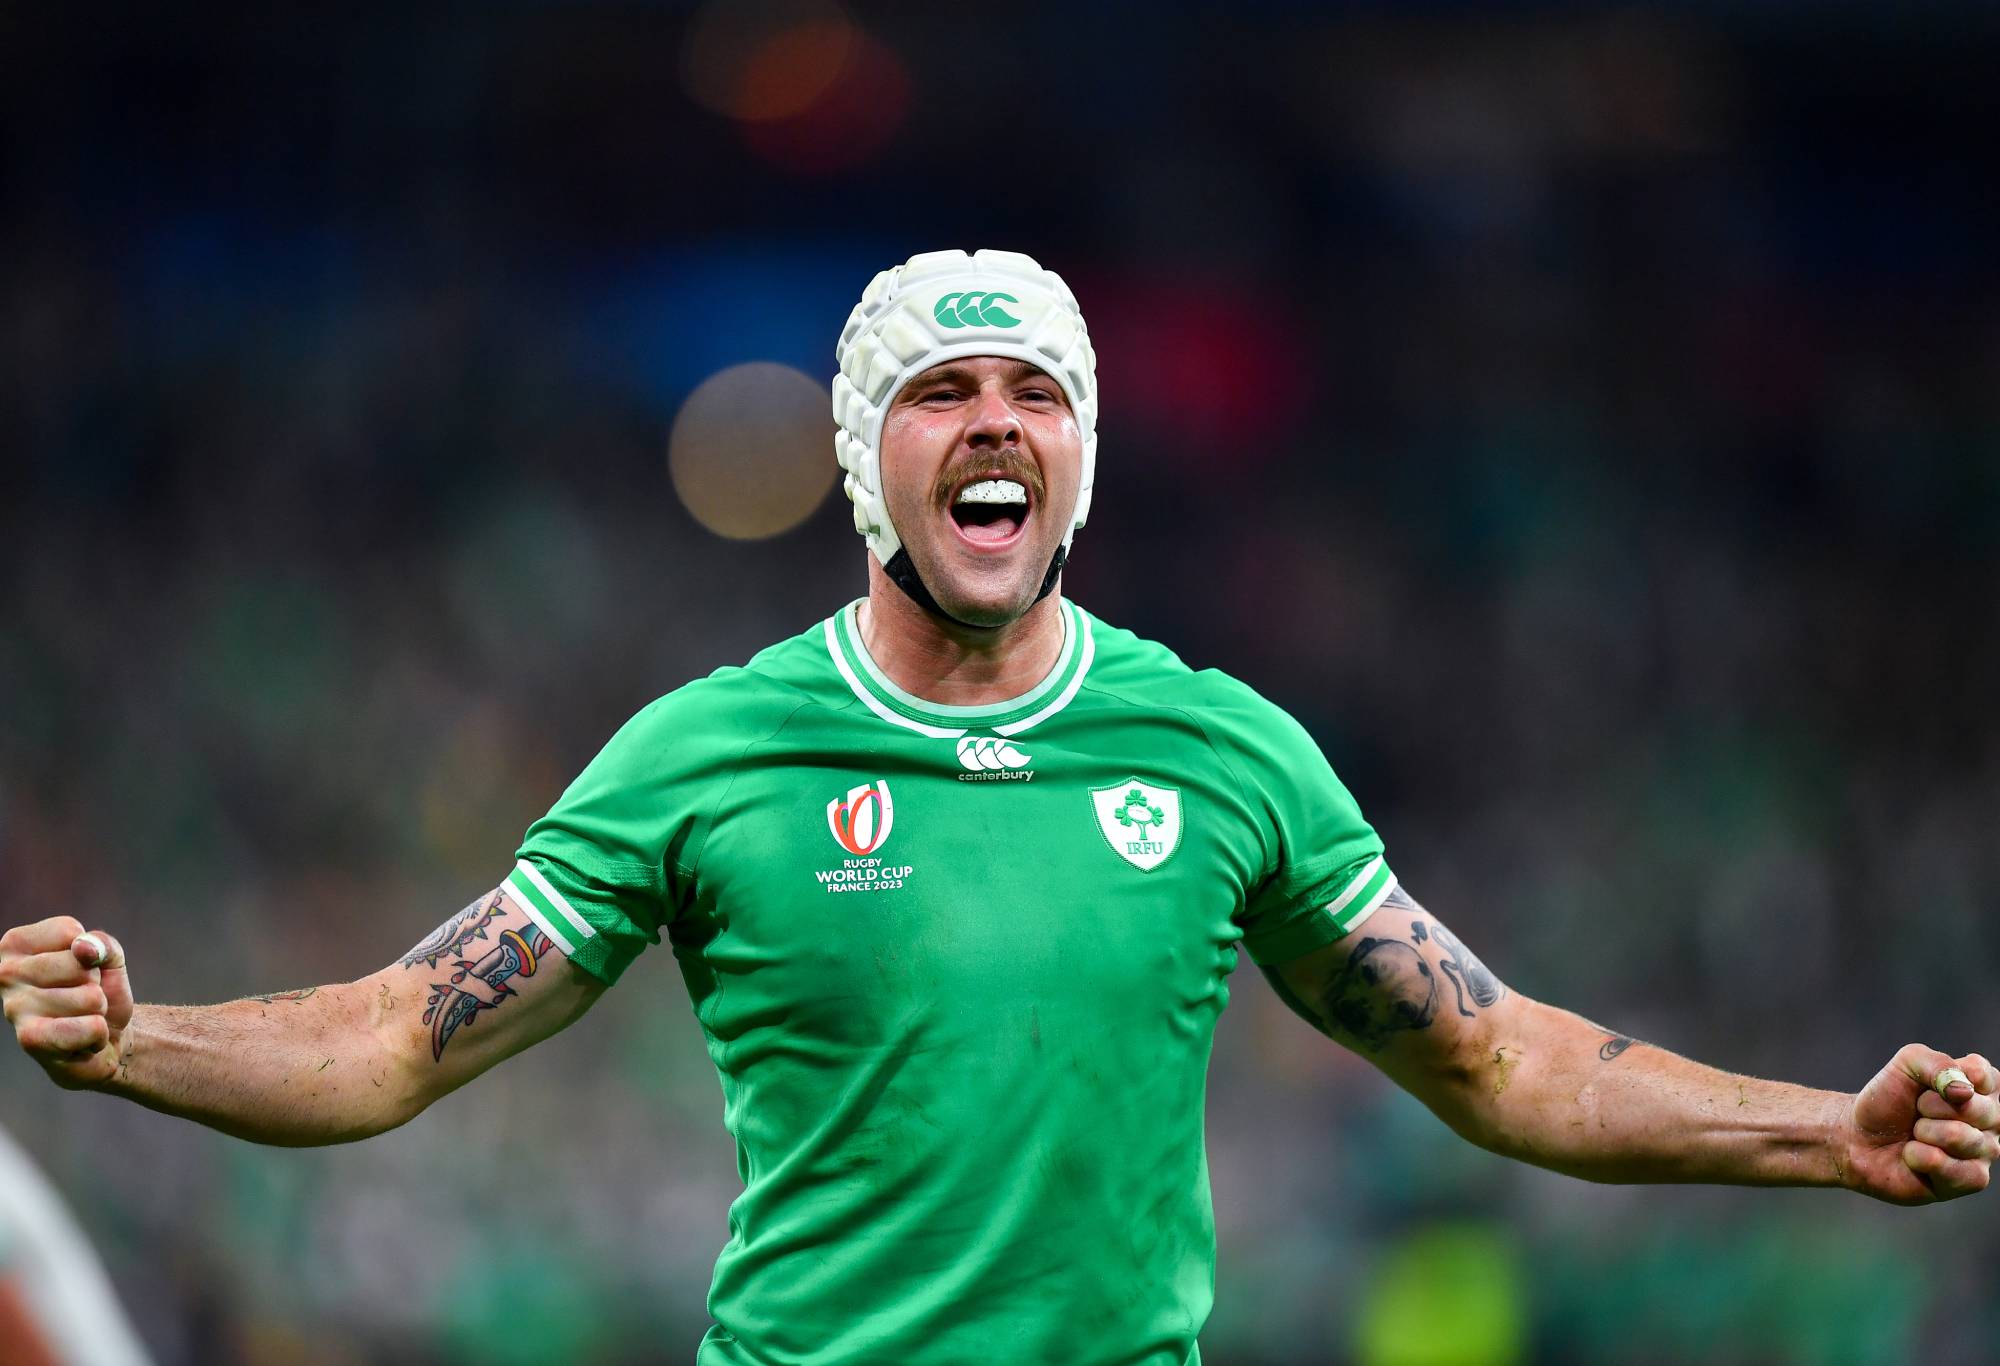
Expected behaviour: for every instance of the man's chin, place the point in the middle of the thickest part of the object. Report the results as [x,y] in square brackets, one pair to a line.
[986,600]
[983,616]
[984,610]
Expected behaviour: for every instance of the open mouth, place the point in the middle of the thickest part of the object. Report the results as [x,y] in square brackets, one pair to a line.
[991,513]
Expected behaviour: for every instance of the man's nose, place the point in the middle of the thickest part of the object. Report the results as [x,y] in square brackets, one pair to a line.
[994,421]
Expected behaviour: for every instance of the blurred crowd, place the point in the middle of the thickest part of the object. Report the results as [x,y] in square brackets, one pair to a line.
[1587,423]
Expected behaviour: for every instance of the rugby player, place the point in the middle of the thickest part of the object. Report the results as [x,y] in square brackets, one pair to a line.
[955,880]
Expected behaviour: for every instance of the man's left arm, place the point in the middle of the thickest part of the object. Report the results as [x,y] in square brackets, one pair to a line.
[1535,1082]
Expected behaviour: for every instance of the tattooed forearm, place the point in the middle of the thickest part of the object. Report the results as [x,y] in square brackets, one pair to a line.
[481,985]
[276,996]
[451,939]
[1614,1044]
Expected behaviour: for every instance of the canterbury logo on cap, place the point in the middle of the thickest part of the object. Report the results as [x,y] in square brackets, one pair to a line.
[974,309]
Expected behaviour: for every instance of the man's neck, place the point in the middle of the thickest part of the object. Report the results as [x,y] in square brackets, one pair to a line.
[953,665]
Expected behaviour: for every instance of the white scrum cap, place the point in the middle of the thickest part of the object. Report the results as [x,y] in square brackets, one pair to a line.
[935,307]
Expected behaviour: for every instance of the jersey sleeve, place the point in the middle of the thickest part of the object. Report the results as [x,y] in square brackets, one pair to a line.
[607,869]
[1324,871]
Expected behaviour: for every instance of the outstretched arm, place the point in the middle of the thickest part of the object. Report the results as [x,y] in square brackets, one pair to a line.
[323,1064]
[1538,1083]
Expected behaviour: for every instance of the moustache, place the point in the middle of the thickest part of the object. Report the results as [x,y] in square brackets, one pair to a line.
[1007,464]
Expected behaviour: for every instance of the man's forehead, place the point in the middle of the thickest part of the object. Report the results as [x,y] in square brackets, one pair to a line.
[1010,366]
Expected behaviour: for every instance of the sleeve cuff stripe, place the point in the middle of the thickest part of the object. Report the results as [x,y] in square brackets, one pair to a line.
[1362,880]
[1368,907]
[546,923]
[557,902]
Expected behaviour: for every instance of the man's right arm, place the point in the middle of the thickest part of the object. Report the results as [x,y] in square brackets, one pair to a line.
[324,1064]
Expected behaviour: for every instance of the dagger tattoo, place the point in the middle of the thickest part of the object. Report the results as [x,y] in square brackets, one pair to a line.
[481,985]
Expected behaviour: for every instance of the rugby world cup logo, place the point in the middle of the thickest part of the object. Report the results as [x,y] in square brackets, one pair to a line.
[860,821]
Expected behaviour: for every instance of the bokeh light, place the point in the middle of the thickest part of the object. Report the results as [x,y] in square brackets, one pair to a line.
[850,122]
[789,72]
[751,453]
[736,50]
[810,91]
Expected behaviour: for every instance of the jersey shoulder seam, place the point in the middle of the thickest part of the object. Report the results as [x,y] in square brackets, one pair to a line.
[735,677]
[705,1011]
[735,768]
[799,699]
[1243,791]
[840,703]
[772,680]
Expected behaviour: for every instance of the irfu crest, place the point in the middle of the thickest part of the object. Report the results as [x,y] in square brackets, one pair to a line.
[1140,821]
[1138,814]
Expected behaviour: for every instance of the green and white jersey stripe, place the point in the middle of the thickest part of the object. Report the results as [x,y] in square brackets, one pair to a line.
[549,909]
[881,696]
[1360,898]
[958,969]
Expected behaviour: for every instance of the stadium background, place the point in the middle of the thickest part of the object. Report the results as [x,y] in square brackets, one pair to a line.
[1587,422]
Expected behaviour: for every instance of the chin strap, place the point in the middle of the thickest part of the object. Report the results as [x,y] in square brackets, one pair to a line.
[904,575]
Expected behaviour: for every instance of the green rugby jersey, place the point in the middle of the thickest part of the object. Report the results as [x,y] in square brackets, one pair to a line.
[959,970]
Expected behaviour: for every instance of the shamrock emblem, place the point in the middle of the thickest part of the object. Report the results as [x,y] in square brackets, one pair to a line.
[1137,812]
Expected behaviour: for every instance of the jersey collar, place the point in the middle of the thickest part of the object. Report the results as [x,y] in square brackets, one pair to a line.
[865,677]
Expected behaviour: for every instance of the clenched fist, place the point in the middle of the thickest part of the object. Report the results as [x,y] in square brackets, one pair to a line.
[68,998]
[1910,1142]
